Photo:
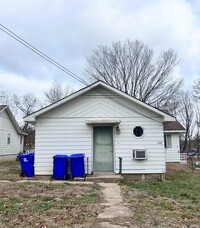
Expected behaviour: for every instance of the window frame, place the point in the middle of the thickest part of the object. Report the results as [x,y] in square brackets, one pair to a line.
[8,138]
[168,141]
[136,135]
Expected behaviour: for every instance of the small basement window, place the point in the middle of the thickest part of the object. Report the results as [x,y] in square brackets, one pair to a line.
[8,138]
[168,141]
[138,131]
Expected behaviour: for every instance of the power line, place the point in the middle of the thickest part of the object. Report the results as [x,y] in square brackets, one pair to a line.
[64,69]
[41,54]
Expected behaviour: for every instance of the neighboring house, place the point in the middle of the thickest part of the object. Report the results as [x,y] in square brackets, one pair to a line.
[105,124]
[172,131]
[11,136]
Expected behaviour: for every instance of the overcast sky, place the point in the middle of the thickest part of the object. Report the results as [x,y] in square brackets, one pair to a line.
[68,31]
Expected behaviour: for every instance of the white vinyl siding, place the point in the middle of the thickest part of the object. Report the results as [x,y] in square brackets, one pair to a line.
[173,153]
[60,136]
[152,142]
[64,131]
[7,130]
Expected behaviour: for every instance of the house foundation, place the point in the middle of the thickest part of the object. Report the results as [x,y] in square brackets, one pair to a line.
[8,157]
[139,177]
[173,166]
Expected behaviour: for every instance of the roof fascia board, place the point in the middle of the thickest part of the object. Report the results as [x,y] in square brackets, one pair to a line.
[13,120]
[32,117]
[174,131]
[165,116]
[4,108]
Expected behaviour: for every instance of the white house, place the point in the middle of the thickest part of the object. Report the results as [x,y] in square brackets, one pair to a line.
[105,124]
[11,136]
[172,131]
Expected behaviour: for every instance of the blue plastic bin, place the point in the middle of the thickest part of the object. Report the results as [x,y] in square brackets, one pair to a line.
[60,163]
[27,164]
[77,165]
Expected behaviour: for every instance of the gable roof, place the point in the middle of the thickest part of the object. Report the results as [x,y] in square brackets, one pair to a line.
[173,126]
[32,117]
[11,116]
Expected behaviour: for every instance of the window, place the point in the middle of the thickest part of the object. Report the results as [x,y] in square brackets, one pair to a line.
[168,141]
[8,138]
[138,131]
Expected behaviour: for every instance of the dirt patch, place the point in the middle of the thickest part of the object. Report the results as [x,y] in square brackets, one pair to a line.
[53,205]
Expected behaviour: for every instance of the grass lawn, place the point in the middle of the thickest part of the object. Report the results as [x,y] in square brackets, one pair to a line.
[53,205]
[10,170]
[173,203]
[40,204]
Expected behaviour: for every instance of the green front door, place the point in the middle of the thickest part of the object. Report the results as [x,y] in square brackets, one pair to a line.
[103,148]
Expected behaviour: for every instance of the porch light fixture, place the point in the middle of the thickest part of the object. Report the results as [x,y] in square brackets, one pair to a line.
[118,131]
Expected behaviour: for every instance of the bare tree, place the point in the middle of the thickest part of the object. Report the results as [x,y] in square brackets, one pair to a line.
[132,68]
[3,96]
[197,123]
[26,104]
[196,90]
[6,99]
[187,117]
[57,92]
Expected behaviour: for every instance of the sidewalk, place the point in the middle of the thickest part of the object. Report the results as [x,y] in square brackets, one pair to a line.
[115,207]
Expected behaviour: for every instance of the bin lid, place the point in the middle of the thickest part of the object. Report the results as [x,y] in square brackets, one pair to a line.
[25,155]
[77,155]
[60,156]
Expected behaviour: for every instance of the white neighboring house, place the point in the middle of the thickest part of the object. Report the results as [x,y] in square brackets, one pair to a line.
[105,124]
[172,131]
[11,136]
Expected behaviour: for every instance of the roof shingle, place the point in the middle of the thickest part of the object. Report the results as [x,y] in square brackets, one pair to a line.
[173,126]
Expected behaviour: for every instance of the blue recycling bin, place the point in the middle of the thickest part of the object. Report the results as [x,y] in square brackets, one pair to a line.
[27,164]
[60,163]
[77,165]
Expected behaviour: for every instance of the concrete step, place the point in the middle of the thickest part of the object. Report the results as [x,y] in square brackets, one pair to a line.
[104,177]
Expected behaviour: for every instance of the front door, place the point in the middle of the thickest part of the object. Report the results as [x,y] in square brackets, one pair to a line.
[103,148]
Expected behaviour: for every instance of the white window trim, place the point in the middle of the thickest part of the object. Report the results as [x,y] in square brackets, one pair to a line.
[168,141]
[138,137]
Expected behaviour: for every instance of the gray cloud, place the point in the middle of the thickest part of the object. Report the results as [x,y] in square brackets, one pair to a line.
[67,31]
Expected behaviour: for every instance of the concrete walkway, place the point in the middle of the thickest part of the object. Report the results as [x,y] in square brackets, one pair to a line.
[114,205]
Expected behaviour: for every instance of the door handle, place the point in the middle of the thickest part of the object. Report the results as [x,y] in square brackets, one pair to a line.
[111,150]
